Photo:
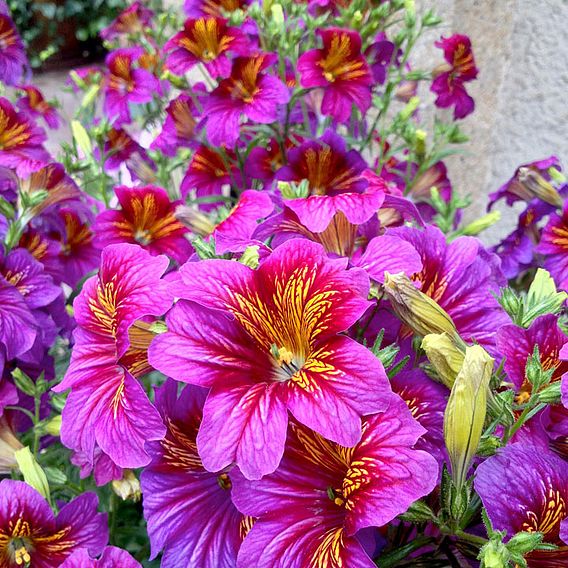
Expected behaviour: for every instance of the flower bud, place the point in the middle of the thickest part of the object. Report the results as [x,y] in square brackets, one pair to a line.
[32,471]
[250,256]
[197,222]
[532,184]
[417,310]
[465,412]
[444,355]
[53,426]
[494,555]
[127,488]
[481,224]
[9,445]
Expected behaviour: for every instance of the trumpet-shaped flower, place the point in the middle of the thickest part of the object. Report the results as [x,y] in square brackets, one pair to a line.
[335,181]
[21,141]
[450,77]
[311,508]
[197,8]
[249,93]
[35,105]
[107,407]
[525,488]
[554,247]
[131,21]
[31,535]
[189,510]
[266,342]
[124,83]
[13,59]
[207,41]
[146,218]
[341,70]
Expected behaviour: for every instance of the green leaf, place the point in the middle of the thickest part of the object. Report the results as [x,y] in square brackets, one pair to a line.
[542,297]
[32,471]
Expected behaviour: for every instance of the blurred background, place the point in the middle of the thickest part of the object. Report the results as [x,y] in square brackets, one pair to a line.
[521,49]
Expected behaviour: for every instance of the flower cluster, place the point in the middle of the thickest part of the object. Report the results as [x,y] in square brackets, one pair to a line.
[243,323]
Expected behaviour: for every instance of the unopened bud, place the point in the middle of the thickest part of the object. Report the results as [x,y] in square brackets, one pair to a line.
[552,394]
[536,186]
[494,555]
[197,222]
[250,256]
[465,412]
[446,358]
[417,310]
[292,190]
[53,426]
[481,224]
[9,445]
[127,488]
[524,542]
[409,109]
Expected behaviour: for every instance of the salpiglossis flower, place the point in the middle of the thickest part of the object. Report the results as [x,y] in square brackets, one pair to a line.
[554,247]
[30,534]
[311,508]
[131,21]
[146,218]
[21,141]
[266,342]
[197,8]
[107,406]
[207,41]
[450,78]
[112,557]
[13,59]
[35,105]
[339,68]
[124,83]
[189,510]
[525,488]
[249,93]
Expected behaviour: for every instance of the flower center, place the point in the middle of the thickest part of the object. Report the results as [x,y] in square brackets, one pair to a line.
[287,364]
[143,236]
[19,551]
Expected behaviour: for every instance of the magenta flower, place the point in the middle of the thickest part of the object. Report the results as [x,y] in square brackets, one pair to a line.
[311,508]
[249,93]
[336,183]
[341,70]
[125,84]
[554,247]
[120,149]
[35,105]
[178,130]
[525,488]
[207,41]
[30,534]
[104,470]
[21,141]
[451,76]
[112,557]
[517,345]
[130,22]
[266,342]
[381,55]
[208,173]
[234,233]
[263,162]
[146,218]
[107,406]
[189,510]
[13,60]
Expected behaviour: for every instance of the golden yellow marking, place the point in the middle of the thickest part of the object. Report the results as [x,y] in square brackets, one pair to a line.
[206,40]
[12,133]
[180,449]
[246,87]
[328,553]
[553,512]
[338,64]
[561,236]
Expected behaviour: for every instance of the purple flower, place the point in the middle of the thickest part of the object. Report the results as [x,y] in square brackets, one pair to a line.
[120,149]
[198,8]
[107,406]
[462,277]
[131,21]
[266,342]
[31,534]
[35,105]
[312,507]
[451,76]
[335,180]
[341,70]
[189,510]
[248,93]
[112,557]
[104,470]
[178,130]
[124,84]
[554,247]
[381,54]
[517,345]
[525,488]
[13,60]
[207,41]
[21,141]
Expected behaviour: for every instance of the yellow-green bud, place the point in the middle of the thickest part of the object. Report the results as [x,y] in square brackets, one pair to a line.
[417,310]
[127,488]
[481,224]
[250,256]
[32,471]
[53,426]
[9,445]
[532,184]
[446,358]
[465,412]
[81,138]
